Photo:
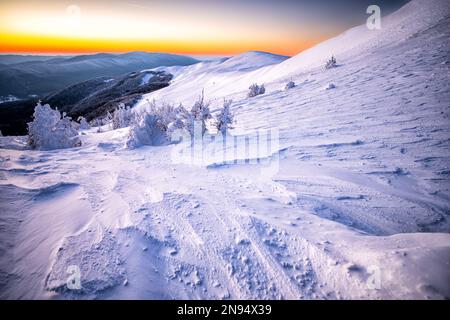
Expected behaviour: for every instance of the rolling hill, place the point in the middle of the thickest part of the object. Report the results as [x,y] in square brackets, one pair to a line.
[47,75]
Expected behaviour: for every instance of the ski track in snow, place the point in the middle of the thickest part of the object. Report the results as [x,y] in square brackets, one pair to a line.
[363,182]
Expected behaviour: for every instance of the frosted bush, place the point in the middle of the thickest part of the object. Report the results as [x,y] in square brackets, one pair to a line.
[262,89]
[83,124]
[255,90]
[331,63]
[224,119]
[289,85]
[167,112]
[154,125]
[121,117]
[330,86]
[147,129]
[97,122]
[183,120]
[50,131]
[199,113]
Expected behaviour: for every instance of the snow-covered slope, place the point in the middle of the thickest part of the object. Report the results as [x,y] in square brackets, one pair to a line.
[217,78]
[415,17]
[358,207]
[249,61]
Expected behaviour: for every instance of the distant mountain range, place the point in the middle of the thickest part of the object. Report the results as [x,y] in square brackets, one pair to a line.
[91,98]
[88,85]
[23,76]
[95,97]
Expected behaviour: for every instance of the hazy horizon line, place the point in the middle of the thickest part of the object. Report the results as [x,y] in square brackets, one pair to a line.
[196,56]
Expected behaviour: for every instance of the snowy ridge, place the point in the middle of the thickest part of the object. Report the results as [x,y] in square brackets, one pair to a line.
[218,78]
[249,61]
[414,17]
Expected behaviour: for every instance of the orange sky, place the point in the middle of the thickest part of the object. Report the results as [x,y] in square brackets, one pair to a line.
[47,44]
[186,27]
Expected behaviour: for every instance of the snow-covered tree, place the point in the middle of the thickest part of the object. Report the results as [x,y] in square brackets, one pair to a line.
[224,119]
[103,121]
[331,63]
[49,130]
[255,90]
[121,117]
[1,134]
[182,120]
[153,125]
[262,89]
[200,113]
[97,122]
[330,86]
[84,125]
[289,85]
[147,129]
[166,111]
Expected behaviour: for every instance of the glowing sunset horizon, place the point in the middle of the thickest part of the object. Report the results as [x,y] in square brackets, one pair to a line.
[183,27]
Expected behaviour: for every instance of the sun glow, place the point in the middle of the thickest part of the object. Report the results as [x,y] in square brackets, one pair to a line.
[49,26]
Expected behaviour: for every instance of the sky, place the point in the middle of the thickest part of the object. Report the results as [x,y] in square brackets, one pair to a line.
[195,27]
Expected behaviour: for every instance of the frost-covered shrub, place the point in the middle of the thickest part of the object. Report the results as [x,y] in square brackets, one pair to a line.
[108,118]
[103,123]
[51,131]
[255,90]
[289,85]
[83,124]
[166,111]
[331,63]
[262,89]
[121,117]
[199,113]
[224,119]
[183,120]
[1,134]
[330,86]
[97,122]
[154,125]
[147,129]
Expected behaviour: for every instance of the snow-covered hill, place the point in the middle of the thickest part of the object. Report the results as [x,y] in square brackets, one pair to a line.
[413,18]
[248,61]
[358,42]
[357,208]
[40,76]
[218,78]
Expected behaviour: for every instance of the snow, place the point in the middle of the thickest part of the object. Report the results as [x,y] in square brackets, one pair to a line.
[218,77]
[358,207]
[249,61]
[49,130]
[8,98]
[149,75]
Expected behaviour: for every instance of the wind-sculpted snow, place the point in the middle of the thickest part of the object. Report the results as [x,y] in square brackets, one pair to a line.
[98,260]
[357,207]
